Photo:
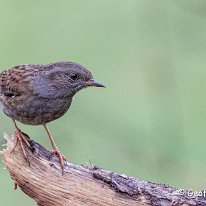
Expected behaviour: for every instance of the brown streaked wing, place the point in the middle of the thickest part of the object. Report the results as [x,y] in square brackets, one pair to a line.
[17,80]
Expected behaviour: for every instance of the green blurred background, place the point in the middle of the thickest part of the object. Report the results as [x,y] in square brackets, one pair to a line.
[150,121]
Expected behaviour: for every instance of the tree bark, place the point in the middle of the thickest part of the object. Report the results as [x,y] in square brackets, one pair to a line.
[42,180]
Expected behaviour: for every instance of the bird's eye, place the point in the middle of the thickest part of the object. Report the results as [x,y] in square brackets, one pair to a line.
[74,77]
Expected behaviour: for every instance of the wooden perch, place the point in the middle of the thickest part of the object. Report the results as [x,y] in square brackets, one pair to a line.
[42,180]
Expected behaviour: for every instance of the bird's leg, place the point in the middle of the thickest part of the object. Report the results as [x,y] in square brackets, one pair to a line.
[19,137]
[15,185]
[56,150]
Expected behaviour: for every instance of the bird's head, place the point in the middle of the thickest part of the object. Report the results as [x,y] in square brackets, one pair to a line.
[67,78]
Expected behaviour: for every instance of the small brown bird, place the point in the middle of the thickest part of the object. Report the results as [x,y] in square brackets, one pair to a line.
[37,94]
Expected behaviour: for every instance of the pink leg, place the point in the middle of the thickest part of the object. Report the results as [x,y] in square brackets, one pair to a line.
[56,150]
[19,137]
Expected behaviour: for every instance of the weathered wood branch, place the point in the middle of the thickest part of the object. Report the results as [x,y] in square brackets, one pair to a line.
[80,185]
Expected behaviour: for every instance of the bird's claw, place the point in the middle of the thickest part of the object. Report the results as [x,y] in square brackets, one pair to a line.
[20,138]
[61,157]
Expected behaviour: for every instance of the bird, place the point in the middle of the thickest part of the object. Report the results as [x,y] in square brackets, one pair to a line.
[36,94]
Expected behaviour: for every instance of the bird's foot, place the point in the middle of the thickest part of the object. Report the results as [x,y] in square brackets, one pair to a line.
[61,157]
[21,138]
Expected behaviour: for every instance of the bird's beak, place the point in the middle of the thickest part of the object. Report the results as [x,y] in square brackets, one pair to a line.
[93,82]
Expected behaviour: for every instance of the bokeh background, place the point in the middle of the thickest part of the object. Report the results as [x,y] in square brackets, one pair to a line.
[150,121]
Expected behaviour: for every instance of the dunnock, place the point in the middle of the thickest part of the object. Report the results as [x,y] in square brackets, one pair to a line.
[37,94]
